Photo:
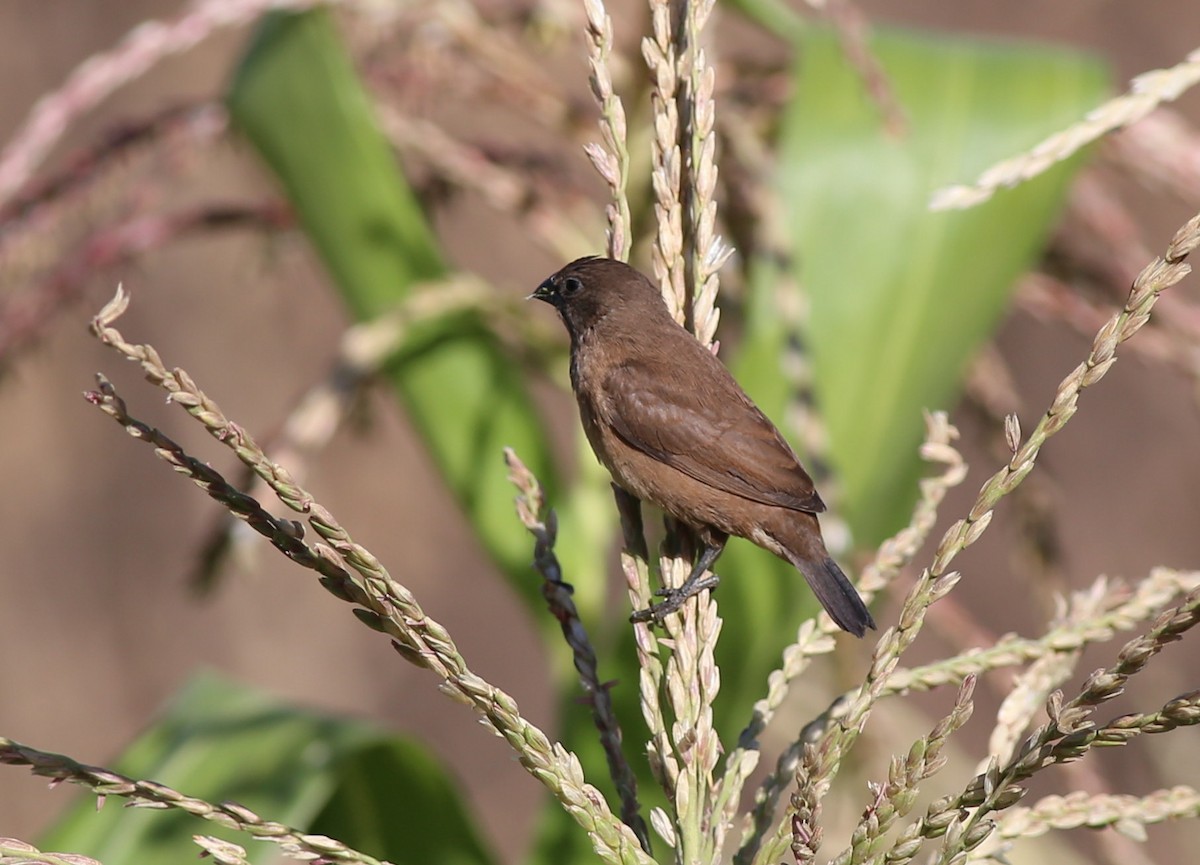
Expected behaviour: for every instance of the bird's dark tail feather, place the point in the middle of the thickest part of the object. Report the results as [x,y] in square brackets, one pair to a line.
[837,595]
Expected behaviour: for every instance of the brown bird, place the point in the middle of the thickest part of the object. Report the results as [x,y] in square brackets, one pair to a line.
[674,428]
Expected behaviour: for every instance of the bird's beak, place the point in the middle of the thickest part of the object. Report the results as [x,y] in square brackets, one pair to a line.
[545,292]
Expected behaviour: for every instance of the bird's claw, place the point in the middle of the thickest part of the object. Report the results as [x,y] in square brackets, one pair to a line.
[652,614]
[673,599]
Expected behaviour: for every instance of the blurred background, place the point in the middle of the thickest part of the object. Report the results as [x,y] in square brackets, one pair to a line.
[100,623]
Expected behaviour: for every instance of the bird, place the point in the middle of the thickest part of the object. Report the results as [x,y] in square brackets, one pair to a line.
[674,428]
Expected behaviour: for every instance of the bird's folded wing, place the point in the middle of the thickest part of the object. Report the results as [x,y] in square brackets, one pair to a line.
[710,431]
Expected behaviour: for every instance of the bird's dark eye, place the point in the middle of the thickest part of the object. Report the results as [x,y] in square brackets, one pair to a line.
[571,286]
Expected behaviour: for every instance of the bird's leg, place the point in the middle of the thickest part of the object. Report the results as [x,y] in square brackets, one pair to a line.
[696,582]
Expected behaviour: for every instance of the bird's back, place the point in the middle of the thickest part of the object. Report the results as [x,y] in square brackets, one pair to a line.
[671,399]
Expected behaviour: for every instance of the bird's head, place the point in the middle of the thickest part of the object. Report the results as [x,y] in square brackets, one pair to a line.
[589,289]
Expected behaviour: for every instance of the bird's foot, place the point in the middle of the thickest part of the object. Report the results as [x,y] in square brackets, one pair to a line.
[673,599]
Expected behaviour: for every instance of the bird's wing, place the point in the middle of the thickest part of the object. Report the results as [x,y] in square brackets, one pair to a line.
[709,430]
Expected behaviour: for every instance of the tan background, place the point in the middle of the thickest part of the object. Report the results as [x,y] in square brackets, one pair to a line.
[96,628]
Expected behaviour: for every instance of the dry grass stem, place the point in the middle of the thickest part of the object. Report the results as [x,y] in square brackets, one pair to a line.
[1171,343]
[706,252]
[220,851]
[611,159]
[1067,736]
[1146,92]
[25,316]
[1033,687]
[381,603]
[650,651]
[816,637]
[1162,152]
[149,794]
[15,852]
[517,76]
[820,763]
[1113,848]
[89,215]
[1154,278]
[691,684]
[543,525]
[1100,238]
[1128,815]
[102,74]
[468,167]
[896,797]
[660,52]
[1118,609]
[853,32]
[1122,610]
[612,162]
[684,747]
[92,165]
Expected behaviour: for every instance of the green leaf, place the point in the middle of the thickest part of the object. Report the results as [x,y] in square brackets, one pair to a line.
[775,15]
[298,99]
[426,822]
[218,741]
[902,297]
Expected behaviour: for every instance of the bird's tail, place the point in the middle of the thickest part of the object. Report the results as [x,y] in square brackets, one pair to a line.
[836,594]
[796,535]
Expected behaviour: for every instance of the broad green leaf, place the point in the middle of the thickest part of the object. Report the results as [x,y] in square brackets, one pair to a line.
[775,15]
[393,797]
[219,741]
[297,98]
[902,297]
[299,101]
